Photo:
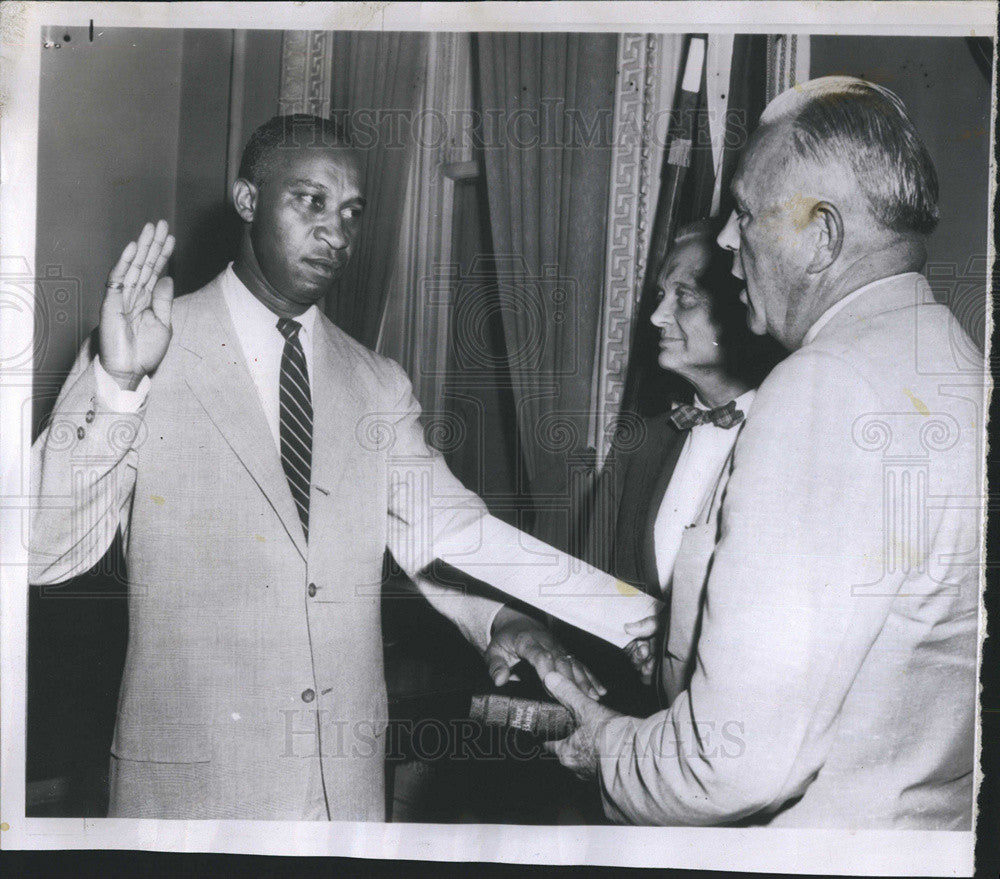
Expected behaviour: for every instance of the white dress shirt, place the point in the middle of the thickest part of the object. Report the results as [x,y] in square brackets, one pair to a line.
[694,479]
[261,345]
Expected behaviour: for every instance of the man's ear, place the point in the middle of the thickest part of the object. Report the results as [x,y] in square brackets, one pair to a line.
[829,228]
[245,196]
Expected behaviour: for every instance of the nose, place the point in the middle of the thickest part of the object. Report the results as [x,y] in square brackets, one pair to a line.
[332,233]
[663,314]
[729,237]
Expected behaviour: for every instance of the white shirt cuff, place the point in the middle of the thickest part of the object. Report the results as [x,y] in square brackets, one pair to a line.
[488,634]
[112,397]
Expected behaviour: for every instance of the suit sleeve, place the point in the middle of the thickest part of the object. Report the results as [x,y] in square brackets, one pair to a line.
[785,626]
[433,516]
[83,469]
[473,615]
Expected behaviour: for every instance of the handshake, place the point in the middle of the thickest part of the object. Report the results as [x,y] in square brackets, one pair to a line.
[569,726]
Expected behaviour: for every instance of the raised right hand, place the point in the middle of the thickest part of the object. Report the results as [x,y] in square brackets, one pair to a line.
[135,315]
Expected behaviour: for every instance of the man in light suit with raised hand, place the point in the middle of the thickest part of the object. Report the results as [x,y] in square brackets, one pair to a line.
[834,679]
[258,462]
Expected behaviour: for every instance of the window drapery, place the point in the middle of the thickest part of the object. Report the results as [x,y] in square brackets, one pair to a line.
[547,104]
[373,81]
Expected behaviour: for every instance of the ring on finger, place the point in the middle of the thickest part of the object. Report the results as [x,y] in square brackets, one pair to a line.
[115,285]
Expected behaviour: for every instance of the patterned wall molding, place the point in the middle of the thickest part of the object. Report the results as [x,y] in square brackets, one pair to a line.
[306,61]
[644,93]
[628,228]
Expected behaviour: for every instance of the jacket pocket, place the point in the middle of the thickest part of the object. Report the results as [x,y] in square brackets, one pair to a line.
[180,743]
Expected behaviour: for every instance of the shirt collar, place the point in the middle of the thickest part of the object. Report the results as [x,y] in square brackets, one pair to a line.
[840,305]
[249,311]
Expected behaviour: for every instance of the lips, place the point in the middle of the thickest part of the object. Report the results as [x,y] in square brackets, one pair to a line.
[322,265]
[666,340]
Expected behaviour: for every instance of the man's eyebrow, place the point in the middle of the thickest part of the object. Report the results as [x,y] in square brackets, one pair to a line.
[315,184]
[306,181]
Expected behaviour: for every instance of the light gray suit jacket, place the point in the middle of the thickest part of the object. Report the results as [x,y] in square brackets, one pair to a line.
[834,675]
[250,653]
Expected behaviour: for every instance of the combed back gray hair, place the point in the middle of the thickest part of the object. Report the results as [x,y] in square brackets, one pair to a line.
[293,131]
[854,122]
[698,230]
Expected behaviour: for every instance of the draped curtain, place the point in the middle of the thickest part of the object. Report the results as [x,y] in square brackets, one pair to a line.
[547,103]
[416,321]
[373,82]
[376,83]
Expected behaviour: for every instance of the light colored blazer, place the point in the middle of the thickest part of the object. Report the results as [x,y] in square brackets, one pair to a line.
[834,676]
[249,652]
[686,592]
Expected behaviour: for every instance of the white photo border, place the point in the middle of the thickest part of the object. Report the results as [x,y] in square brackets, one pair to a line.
[757,849]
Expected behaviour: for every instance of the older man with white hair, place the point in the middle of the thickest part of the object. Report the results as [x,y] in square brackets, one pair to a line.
[835,676]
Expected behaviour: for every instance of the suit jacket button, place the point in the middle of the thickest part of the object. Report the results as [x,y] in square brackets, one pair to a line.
[308,695]
[89,417]
[312,590]
[80,433]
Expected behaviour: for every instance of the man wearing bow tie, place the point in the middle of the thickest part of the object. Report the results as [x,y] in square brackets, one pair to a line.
[833,670]
[665,490]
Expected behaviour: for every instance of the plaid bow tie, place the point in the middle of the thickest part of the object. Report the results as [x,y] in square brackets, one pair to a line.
[685,416]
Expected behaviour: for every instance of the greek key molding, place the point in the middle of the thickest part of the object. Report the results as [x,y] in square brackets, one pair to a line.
[306,60]
[628,226]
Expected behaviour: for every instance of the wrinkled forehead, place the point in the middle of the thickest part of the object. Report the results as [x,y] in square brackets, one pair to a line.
[688,260]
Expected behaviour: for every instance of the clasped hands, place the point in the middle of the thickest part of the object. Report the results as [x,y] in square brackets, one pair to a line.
[517,636]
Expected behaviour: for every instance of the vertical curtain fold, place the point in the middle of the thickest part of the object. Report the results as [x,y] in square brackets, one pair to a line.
[377,80]
[416,321]
[547,104]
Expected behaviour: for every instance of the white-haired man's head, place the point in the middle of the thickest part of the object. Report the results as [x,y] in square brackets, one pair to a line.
[849,121]
[835,186]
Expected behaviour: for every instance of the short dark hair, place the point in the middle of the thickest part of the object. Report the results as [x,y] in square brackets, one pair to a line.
[296,130]
[865,126]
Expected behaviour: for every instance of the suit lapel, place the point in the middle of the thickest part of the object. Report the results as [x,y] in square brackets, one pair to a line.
[217,375]
[336,408]
[661,479]
[339,407]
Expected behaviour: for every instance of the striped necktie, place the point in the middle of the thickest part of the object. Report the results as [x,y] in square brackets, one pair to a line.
[296,418]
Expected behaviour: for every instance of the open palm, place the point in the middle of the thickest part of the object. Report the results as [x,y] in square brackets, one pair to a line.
[135,316]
